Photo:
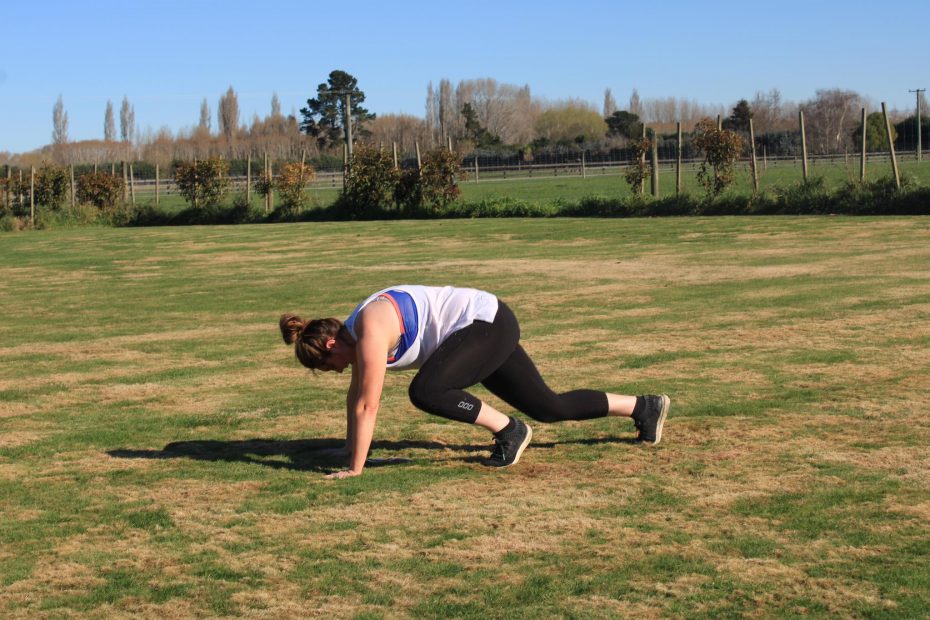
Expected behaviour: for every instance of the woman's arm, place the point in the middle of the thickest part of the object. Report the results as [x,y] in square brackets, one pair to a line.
[374,327]
[351,400]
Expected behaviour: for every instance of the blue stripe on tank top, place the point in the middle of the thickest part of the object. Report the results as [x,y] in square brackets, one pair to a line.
[411,320]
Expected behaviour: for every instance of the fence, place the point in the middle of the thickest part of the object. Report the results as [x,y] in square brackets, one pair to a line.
[669,154]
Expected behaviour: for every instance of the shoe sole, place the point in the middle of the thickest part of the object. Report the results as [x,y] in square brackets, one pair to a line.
[666,405]
[526,442]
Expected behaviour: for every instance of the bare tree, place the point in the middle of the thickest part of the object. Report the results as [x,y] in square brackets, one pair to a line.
[431,120]
[229,114]
[402,129]
[59,123]
[127,120]
[610,104]
[448,114]
[275,106]
[635,106]
[830,119]
[109,124]
[204,115]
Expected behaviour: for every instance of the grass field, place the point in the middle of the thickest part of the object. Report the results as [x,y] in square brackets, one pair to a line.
[158,442]
[547,188]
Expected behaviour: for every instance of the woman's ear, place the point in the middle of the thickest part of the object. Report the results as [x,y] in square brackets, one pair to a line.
[330,344]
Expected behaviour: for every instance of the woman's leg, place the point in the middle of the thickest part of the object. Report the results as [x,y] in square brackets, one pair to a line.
[466,358]
[519,384]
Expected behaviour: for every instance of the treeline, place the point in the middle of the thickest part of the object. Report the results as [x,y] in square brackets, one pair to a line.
[481,117]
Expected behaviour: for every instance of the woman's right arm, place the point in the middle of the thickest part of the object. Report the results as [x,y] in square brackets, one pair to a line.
[351,401]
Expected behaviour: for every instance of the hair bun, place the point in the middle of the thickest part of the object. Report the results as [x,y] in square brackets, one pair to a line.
[291,325]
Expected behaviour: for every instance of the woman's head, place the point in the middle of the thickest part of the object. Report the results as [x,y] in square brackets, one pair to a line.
[317,342]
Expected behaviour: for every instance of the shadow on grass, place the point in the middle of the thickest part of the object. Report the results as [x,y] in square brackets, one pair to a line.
[319,454]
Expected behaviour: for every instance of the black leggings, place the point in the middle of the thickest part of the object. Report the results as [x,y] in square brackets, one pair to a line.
[490,354]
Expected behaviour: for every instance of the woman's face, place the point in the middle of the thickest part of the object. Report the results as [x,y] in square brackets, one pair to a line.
[339,357]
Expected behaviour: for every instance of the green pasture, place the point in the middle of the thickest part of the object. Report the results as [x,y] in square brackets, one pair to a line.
[567,184]
[160,448]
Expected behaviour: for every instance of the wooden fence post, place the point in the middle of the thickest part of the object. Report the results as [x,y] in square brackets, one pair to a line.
[476,168]
[655,165]
[266,179]
[32,196]
[894,160]
[419,163]
[132,187]
[863,155]
[642,163]
[394,151]
[125,184]
[72,187]
[803,144]
[7,197]
[248,179]
[157,182]
[678,162]
[584,172]
[450,144]
[752,151]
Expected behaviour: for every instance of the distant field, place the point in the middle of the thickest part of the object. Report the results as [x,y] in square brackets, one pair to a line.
[549,187]
[159,444]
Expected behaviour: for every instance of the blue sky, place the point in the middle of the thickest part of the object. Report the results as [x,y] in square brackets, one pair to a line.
[167,55]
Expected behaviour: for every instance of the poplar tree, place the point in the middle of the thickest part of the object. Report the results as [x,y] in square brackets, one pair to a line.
[109,124]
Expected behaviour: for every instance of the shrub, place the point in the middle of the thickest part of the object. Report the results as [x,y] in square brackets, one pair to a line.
[100,189]
[202,183]
[291,182]
[370,184]
[436,184]
[52,184]
[721,148]
[638,169]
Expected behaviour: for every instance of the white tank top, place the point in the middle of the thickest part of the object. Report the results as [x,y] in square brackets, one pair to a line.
[428,315]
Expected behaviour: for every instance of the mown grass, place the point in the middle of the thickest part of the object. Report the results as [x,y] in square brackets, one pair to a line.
[160,449]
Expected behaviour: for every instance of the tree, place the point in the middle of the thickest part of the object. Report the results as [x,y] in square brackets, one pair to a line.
[767,112]
[51,186]
[100,189]
[475,132]
[830,119]
[229,114]
[721,148]
[571,122]
[639,168]
[204,115]
[636,106]
[324,116]
[624,124]
[739,117]
[109,124]
[59,123]
[127,120]
[610,105]
[202,183]
[291,184]
[876,136]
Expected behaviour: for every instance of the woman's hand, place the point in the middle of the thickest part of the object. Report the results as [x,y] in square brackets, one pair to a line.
[345,473]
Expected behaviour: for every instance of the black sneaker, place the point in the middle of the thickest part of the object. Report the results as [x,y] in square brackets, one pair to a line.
[510,443]
[649,421]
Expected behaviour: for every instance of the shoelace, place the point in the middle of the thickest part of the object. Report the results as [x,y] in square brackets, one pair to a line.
[500,449]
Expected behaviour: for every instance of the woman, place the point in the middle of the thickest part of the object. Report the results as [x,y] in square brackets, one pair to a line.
[457,338]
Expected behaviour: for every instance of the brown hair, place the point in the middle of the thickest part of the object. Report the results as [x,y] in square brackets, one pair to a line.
[309,337]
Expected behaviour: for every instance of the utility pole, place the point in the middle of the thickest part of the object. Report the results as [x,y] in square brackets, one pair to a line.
[347,119]
[918,91]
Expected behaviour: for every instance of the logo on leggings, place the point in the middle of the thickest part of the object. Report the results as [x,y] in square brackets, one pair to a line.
[466,406]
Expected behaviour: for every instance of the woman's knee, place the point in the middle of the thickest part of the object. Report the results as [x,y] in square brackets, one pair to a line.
[422,396]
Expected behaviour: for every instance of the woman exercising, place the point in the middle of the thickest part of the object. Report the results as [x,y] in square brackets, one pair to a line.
[457,338]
